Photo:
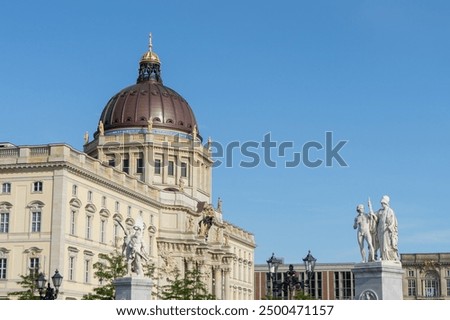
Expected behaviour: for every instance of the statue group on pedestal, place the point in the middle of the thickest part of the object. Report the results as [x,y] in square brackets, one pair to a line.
[379,230]
[133,248]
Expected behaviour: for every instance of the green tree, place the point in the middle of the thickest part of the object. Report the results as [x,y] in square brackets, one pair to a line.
[189,287]
[110,267]
[28,283]
[301,295]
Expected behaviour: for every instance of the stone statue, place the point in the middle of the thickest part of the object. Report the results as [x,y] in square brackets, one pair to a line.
[194,133]
[150,125]
[291,283]
[190,224]
[86,137]
[133,248]
[181,184]
[364,223]
[387,231]
[101,128]
[209,144]
[226,240]
[219,205]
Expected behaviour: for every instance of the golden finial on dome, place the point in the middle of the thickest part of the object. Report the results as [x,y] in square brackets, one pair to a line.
[150,56]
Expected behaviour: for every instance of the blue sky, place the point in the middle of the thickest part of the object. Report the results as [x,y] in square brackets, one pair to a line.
[374,73]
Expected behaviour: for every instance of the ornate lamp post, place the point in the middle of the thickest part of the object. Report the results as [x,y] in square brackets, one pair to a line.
[310,264]
[273,264]
[49,293]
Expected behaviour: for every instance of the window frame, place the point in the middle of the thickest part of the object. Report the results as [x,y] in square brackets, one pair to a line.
[7,186]
[38,187]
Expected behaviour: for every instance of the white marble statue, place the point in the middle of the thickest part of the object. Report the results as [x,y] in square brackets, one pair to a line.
[101,128]
[387,231]
[365,223]
[133,248]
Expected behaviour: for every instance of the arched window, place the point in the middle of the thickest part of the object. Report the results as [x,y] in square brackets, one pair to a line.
[431,285]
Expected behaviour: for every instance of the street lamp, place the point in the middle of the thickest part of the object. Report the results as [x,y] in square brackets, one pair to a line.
[50,293]
[273,264]
[310,264]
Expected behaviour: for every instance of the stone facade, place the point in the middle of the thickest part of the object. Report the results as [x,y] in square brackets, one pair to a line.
[60,208]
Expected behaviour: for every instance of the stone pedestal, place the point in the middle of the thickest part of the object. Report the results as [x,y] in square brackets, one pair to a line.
[379,280]
[133,288]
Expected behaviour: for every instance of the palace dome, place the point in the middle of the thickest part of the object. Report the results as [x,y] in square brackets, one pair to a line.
[148,99]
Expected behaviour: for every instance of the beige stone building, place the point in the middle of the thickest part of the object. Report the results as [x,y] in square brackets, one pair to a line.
[59,207]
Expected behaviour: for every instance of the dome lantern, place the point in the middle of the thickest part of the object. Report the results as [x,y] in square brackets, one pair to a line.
[149,66]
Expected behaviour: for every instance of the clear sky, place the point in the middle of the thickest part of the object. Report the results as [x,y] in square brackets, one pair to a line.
[375,74]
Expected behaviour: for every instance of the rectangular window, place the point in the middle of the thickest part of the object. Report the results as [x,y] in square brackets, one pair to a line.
[184,172]
[410,273]
[448,287]
[171,168]
[74,190]
[411,288]
[126,165]
[73,216]
[87,271]
[347,285]
[88,227]
[4,222]
[139,165]
[6,187]
[34,265]
[37,186]
[102,231]
[115,231]
[157,166]
[2,268]
[71,268]
[36,221]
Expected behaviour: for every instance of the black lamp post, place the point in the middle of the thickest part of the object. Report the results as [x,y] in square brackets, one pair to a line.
[49,293]
[310,264]
[273,264]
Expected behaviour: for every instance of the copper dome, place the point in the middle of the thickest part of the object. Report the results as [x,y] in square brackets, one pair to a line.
[133,106]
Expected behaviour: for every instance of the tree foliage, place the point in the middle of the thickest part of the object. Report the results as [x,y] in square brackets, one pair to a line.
[110,267]
[28,283]
[189,287]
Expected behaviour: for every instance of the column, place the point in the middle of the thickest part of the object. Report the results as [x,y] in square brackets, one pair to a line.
[218,282]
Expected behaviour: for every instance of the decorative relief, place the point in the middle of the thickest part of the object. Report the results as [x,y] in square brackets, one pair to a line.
[368,295]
